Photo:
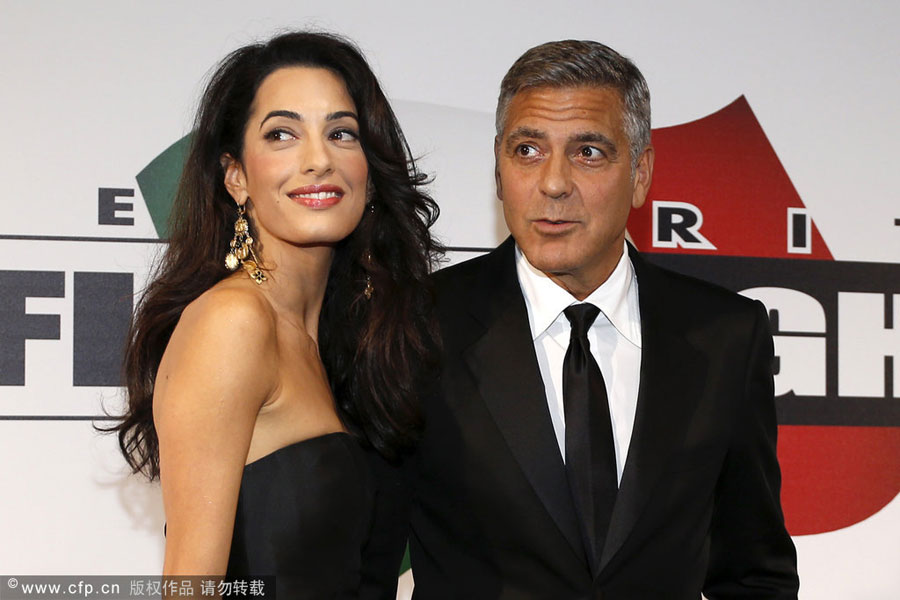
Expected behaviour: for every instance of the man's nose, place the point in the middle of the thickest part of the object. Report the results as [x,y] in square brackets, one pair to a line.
[316,157]
[556,177]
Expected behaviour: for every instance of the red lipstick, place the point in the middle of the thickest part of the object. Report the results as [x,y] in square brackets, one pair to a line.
[317,196]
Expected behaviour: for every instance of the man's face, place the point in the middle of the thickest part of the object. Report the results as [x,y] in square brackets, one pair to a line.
[564,177]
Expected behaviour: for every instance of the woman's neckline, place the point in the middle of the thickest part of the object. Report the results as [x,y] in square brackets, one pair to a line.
[298,443]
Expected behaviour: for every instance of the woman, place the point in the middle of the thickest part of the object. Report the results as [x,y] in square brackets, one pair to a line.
[249,390]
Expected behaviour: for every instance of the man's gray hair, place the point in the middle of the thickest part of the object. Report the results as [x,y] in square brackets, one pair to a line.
[574,63]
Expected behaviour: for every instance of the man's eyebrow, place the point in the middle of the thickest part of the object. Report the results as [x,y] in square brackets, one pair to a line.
[523,132]
[595,137]
[298,117]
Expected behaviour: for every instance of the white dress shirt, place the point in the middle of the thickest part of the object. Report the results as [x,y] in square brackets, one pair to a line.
[615,339]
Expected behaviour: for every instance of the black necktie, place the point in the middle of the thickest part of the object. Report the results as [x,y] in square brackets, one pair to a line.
[590,450]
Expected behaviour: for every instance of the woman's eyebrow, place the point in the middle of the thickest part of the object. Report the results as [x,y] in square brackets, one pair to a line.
[281,113]
[289,114]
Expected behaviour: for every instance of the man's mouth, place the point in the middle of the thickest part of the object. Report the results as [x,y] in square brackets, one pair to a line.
[553,225]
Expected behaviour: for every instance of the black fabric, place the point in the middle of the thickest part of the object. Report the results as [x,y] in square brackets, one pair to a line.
[590,449]
[304,515]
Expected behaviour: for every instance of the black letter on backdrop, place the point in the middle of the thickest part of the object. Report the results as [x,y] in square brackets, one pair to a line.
[107,206]
[103,305]
[16,325]
[676,220]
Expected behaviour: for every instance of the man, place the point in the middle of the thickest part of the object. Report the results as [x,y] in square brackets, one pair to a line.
[623,451]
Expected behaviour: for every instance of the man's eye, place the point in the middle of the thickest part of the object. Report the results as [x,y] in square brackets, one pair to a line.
[279,135]
[526,150]
[343,135]
[590,152]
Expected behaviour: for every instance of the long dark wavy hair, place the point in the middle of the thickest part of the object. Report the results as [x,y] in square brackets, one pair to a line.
[376,351]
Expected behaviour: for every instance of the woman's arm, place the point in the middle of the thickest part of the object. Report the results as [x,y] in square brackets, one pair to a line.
[218,369]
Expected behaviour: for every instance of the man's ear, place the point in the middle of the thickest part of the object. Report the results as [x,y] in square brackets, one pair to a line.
[643,176]
[235,179]
[497,168]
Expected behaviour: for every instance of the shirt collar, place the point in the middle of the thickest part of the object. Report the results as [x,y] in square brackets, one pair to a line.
[616,298]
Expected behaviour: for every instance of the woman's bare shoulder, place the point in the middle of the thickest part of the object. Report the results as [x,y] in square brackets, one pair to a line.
[225,339]
[231,308]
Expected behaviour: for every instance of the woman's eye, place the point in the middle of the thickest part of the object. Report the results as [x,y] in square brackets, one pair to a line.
[279,135]
[344,135]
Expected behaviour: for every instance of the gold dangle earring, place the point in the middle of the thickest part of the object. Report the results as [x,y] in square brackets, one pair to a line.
[370,289]
[242,248]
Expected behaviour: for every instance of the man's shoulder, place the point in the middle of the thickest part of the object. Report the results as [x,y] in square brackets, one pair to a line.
[466,272]
[480,272]
[693,296]
[473,293]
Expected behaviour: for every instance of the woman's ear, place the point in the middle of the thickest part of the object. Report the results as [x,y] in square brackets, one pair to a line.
[235,179]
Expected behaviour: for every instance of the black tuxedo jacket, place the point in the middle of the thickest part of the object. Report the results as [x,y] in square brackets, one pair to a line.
[698,506]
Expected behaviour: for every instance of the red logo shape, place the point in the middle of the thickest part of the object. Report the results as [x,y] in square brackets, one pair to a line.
[725,165]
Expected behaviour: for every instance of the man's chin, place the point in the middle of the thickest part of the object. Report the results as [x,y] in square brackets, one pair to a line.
[549,263]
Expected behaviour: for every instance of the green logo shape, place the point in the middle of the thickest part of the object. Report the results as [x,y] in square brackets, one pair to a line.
[405,564]
[158,182]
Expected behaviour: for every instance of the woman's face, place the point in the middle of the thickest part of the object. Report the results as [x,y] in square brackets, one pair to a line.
[303,168]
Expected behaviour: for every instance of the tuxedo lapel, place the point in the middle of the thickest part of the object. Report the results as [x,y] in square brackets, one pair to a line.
[671,380]
[503,363]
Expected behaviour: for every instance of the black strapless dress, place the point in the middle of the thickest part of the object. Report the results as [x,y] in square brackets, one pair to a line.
[304,515]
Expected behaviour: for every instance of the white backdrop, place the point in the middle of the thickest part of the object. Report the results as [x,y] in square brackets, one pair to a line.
[93,91]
